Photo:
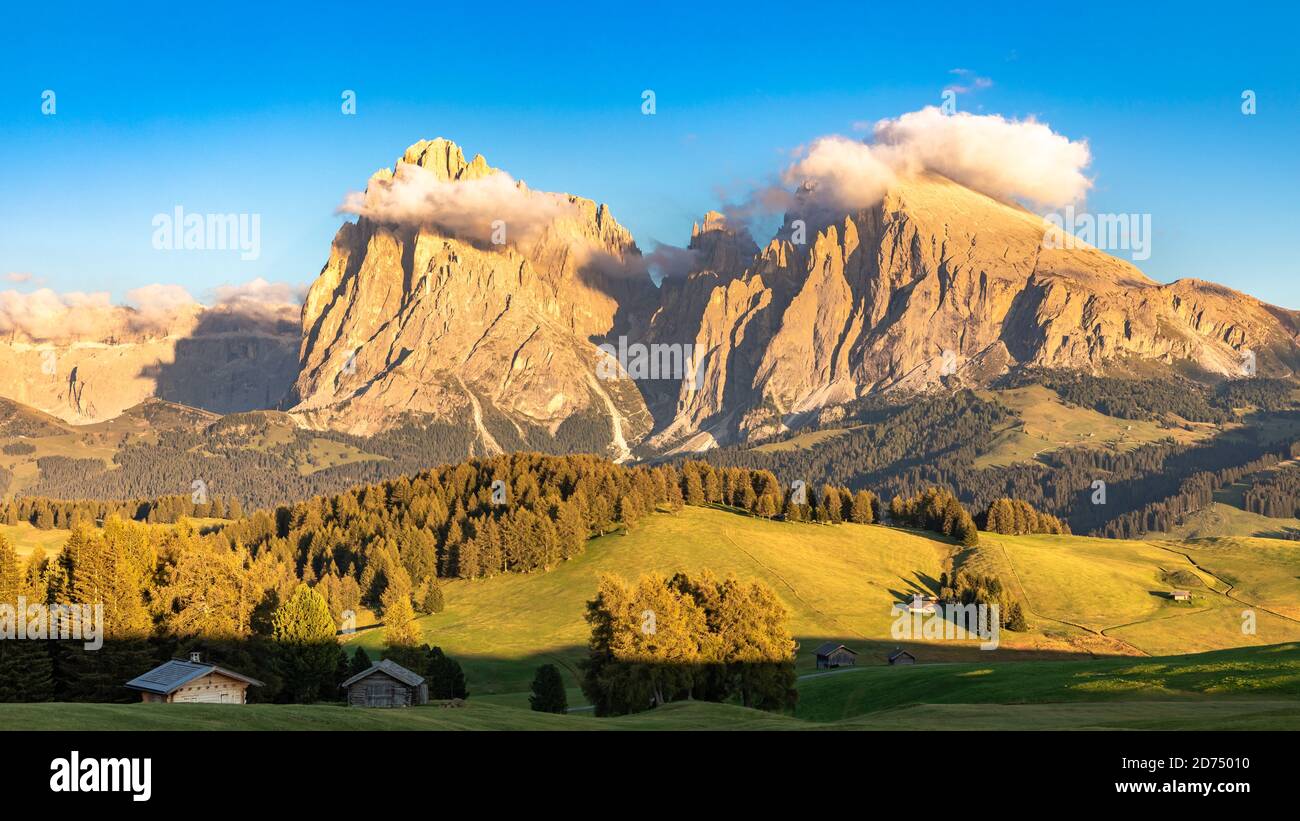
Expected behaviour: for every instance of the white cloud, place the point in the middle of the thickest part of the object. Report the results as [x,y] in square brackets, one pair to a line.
[258,296]
[969,82]
[468,208]
[1007,158]
[46,315]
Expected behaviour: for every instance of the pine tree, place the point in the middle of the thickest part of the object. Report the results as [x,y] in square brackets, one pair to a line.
[360,662]
[443,674]
[401,629]
[307,650]
[548,695]
[432,601]
[862,511]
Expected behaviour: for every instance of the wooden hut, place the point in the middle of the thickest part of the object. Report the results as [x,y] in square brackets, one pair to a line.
[193,682]
[831,655]
[386,684]
[901,657]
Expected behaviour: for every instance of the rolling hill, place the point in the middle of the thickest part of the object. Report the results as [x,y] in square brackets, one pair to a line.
[1086,597]
[1254,689]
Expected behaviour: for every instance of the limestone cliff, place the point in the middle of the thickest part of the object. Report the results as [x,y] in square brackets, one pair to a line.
[411,321]
[937,283]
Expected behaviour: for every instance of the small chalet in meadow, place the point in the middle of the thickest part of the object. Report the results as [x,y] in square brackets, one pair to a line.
[1180,595]
[386,684]
[831,655]
[901,657]
[193,682]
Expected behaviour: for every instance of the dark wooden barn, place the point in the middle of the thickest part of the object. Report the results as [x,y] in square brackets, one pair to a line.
[386,684]
[831,655]
[901,657]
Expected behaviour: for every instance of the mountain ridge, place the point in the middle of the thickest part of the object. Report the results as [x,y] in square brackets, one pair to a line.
[461,296]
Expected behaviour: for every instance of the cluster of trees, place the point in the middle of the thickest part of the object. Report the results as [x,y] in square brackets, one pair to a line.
[1193,494]
[881,441]
[938,510]
[1276,494]
[967,587]
[49,514]
[1017,517]
[169,591]
[519,513]
[165,592]
[663,639]
[759,493]
[1258,392]
[285,467]
[1135,398]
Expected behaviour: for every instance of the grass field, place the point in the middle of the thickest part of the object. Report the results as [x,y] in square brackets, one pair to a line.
[838,582]
[1239,689]
[1105,646]
[1086,597]
[1270,674]
[26,538]
[1148,715]
[1045,423]
[1223,519]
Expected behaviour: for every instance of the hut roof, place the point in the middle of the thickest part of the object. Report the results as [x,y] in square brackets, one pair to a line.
[175,674]
[830,647]
[393,669]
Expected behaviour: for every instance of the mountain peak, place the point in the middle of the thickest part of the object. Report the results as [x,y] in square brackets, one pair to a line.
[446,160]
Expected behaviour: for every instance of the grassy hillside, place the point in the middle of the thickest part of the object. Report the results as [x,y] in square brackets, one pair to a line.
[1266,673]
[1045,423]
[1150,715]
[1240,689]
[838,582]
[1085,596]
[26,538]
[1222,519]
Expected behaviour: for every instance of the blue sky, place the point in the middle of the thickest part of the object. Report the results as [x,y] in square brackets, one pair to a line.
[221,110]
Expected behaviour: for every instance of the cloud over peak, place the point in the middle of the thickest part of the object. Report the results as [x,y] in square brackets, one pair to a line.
[1005,158]
[476,209]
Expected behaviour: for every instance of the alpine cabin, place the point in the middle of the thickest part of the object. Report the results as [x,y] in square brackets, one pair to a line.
[386,684]
[193,682]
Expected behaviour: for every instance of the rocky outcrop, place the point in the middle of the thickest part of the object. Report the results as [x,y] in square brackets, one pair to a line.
[215,359]
[939,283]
[422,316]
[411,321]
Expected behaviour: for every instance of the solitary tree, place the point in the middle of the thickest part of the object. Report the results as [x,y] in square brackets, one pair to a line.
[548,691]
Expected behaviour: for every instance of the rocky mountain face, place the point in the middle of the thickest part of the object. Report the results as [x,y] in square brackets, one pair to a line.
[422,315]
[414,320]
[216,359]
[935,285]
[938,284]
